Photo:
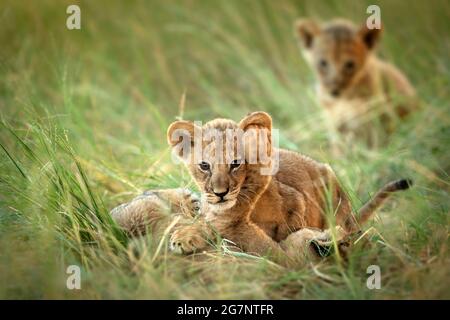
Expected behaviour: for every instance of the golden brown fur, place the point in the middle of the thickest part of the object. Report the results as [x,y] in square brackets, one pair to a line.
[356,87]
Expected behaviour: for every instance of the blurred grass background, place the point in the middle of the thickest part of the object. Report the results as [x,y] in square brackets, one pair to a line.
[83,121]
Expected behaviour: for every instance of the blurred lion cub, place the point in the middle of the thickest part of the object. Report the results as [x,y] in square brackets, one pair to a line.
[354,85]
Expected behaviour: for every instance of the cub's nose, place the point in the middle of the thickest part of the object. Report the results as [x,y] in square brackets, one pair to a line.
[335,92]
[221,194]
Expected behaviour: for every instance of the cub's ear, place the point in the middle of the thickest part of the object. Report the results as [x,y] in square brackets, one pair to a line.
[181,134]
[306,30]
[370,37]
[258,119]
[257,140]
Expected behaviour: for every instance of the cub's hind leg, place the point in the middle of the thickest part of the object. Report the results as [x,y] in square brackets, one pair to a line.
[310,243]
[297,245]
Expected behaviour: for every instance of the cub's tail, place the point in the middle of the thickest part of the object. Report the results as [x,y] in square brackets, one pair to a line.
[367,210]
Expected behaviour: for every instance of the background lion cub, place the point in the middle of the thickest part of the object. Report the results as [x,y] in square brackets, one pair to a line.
[354,85]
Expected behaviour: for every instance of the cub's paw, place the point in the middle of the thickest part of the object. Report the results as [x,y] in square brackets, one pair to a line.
[323,244]
[187,240]
[318,242]
[185,201]
[297,244]
[193,204]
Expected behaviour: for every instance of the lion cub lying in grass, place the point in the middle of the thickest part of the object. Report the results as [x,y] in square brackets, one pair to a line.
[355,86]
[247,201]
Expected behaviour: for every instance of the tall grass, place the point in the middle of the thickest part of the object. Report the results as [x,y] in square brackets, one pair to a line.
[83,121]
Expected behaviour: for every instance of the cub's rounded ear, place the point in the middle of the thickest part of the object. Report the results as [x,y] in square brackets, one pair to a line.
[178,131]
[259,119]
[181,134]
[370,37]
[306,30]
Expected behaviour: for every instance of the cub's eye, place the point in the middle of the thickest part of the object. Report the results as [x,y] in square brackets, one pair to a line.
[236,163]
[205,166]
[323,64]
[349,65]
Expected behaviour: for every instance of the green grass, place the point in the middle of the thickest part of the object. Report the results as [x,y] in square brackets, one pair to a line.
[83,122]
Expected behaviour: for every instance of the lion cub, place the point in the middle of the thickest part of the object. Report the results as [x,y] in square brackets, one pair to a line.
[265,200]
[356,87]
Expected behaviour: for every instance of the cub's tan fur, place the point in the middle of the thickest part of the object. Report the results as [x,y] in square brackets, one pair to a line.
[354,85]
[264,214]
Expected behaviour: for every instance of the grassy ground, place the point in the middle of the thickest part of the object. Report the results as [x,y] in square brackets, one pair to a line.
[83,122]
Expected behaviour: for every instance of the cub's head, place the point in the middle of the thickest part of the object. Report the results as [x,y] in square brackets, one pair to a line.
[222,154]
[337,51]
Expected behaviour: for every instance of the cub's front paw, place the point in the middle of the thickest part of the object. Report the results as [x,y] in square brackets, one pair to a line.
[186,202]
[187,240]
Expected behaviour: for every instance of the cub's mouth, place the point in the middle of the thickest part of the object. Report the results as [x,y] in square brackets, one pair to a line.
[222,204]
